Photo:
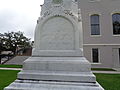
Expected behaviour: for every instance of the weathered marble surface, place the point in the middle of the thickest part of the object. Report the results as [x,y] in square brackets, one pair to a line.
[57,32]
[55,73]
[58,69]
[45,85]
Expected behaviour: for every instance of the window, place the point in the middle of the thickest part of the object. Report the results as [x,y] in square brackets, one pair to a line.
[95,55]
[95,27]
[116,23]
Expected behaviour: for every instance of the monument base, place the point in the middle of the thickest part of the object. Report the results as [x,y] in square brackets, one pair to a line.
[55,73]
[52,85]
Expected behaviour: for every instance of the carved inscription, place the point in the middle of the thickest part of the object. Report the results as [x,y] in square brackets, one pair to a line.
[57,33]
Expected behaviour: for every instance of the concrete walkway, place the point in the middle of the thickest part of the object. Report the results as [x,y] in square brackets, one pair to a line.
[10,68]
[18,60]
[105,72]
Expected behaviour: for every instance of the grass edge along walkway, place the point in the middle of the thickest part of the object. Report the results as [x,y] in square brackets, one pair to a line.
[10,66]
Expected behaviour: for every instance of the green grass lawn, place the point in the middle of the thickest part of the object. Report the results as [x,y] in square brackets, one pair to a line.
[10,66]
[108,81]
[6,77]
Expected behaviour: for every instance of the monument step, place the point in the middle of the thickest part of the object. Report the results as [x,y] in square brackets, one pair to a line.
[50,85]
[57,76]
[76,64]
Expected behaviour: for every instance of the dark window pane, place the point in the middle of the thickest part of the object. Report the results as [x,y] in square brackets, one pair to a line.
[116,17]
[95,55]
[116,24]
[95,28]
[95,19]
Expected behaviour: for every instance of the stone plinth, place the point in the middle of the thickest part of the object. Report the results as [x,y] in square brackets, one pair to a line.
[55,73]
[74,69]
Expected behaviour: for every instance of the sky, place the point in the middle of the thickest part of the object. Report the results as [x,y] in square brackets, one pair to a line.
[19,15]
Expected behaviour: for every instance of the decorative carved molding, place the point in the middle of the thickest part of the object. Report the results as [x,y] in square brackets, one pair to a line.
[46,13]
[68,12]
[94,0]
[57,10]
[57,1]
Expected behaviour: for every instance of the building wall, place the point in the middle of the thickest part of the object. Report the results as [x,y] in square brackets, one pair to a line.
[106,56]
[106,42]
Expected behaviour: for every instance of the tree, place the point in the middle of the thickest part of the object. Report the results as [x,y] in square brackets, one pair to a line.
[1,43]
[12,40]
[1,46]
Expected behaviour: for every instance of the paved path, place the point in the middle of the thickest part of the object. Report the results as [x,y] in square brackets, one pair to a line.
[105,72]
[10,68]
[18,60]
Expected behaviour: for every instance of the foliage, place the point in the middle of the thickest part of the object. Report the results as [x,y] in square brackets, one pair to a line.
[1,43]
[12,40]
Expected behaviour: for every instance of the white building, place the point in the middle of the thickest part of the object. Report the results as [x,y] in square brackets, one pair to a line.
[101,32]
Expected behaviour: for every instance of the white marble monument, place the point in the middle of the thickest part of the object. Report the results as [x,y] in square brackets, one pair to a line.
[57,61]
